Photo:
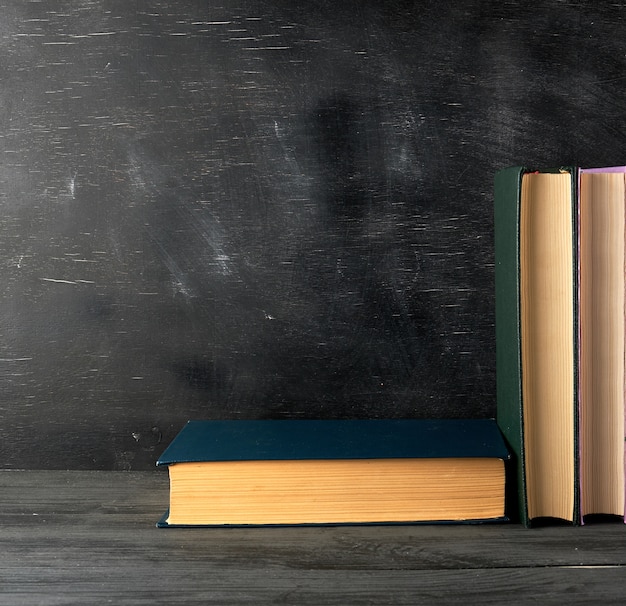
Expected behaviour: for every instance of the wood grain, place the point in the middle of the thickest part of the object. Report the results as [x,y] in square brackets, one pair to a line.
[89,538]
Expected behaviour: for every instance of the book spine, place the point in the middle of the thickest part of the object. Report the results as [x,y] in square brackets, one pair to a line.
[507,189]
[507,200]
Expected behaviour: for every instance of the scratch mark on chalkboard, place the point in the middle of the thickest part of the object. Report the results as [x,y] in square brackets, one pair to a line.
[15,359]
[209,232]
[289,155]
[257,48]
[72,185]
[178,281]
[134,172]
[57,281]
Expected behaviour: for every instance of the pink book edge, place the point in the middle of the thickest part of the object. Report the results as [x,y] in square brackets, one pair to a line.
[606,169]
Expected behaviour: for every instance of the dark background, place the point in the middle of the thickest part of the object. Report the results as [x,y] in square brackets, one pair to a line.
[269,209]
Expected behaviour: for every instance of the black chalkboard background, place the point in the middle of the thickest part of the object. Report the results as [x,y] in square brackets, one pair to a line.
[269,209]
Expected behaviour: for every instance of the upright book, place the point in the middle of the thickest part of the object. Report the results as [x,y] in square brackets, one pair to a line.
[602,349]
[559,316]
[302,472]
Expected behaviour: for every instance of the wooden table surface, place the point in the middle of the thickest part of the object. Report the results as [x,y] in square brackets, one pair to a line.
[89,537]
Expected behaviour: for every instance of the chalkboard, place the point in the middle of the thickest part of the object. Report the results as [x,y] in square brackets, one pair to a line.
[269,209]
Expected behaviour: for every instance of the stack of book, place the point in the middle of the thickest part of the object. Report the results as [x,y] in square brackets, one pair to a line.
[335,472]
[560,347]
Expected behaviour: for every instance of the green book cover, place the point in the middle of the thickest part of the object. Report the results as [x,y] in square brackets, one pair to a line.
[243,440]
[507,199]
[507,196]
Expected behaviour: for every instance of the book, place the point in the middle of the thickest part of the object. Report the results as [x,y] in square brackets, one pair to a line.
[536,337]
[602,349]
[559,246]
[309,472]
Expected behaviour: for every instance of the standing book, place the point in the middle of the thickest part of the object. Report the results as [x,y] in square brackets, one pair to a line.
[559,247]
[308,472]
[602,214]
[536,361]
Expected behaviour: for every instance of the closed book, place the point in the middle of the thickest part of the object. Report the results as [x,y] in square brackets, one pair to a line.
[536,337]
[560,347]
[602,350]
[307,472]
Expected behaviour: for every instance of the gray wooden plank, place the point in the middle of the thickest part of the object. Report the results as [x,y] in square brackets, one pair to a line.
[74,508]
[89,538]
[209,585]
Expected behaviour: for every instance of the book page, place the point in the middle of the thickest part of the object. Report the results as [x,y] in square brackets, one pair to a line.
[602,220]
[547,342]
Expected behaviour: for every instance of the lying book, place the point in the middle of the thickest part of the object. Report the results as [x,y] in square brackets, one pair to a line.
[301,472]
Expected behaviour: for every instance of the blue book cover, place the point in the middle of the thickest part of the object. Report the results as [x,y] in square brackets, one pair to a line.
[302,440]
